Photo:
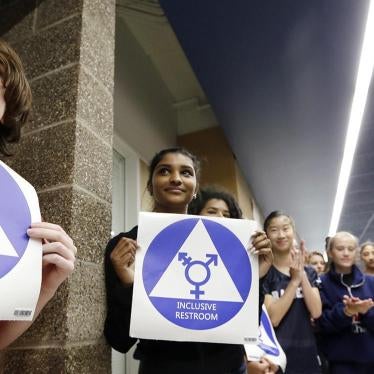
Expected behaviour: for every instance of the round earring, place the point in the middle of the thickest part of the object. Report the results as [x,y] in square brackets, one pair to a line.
[194,196]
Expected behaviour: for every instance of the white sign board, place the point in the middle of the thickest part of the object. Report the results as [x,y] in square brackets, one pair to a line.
[267,345]
[20,256]
[195,280]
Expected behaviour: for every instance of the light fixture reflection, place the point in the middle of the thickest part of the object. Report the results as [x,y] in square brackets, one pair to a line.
[364,75]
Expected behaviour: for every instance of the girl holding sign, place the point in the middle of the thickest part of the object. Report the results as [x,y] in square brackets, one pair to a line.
[292,296]
[347,322]
[173,183]
[218,203]
[58,248]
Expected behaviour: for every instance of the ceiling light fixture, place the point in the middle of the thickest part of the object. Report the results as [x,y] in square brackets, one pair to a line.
[365,71]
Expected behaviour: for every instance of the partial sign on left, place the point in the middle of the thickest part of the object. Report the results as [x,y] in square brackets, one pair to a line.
[20,256]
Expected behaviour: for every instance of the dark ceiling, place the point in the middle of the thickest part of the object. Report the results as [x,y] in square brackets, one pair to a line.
[9,17]
[280,77]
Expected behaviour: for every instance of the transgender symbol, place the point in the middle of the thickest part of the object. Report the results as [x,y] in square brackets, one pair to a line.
[15,219]
[197,273]
[190,273]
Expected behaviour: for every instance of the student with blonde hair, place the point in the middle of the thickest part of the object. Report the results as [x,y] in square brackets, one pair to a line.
[347,321]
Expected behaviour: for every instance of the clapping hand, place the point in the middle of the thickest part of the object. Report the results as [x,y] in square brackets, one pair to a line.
[354,305]
[297,262]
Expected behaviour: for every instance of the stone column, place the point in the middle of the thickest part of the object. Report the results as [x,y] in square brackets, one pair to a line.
[67,47]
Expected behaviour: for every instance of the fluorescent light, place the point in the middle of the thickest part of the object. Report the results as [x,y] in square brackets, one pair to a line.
[365,71]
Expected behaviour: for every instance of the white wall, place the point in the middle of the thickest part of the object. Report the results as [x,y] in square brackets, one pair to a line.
[125,208]
[143,112]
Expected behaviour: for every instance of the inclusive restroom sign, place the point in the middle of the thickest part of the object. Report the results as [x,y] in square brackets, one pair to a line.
[20,256]
[195,280]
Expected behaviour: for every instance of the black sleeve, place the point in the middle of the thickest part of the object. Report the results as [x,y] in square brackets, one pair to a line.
[119,299]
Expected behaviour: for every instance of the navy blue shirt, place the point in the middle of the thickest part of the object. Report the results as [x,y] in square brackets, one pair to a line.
[346,339]
[294,332]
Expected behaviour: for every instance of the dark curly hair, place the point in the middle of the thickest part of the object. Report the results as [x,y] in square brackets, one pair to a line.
[212,192]
[17,97]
